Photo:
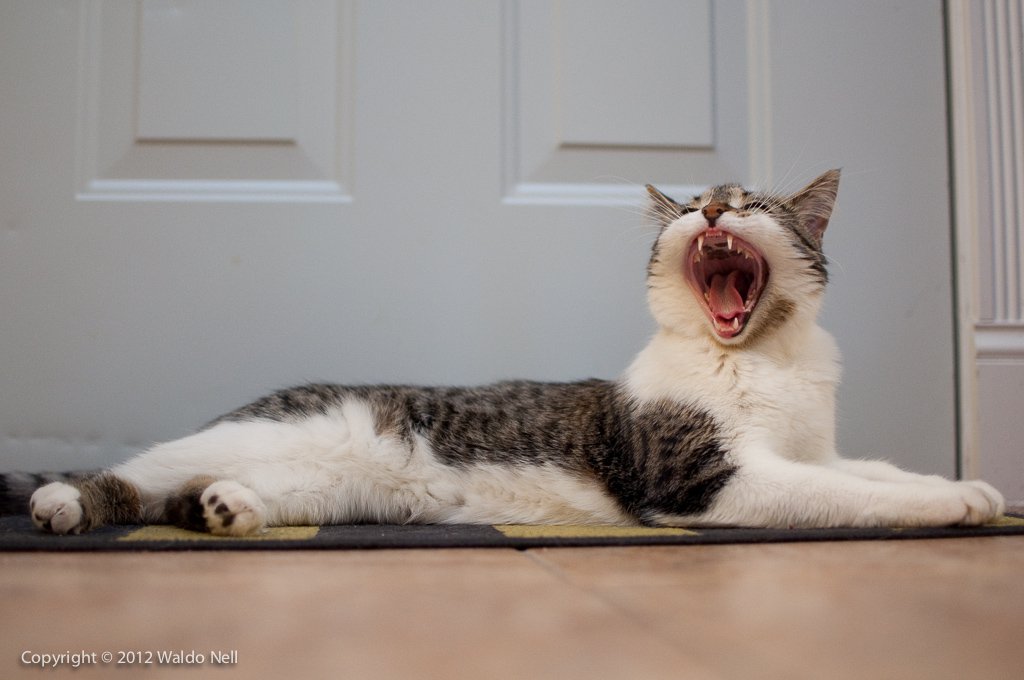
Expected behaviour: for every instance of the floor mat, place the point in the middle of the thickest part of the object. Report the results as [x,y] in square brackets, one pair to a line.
[17,533]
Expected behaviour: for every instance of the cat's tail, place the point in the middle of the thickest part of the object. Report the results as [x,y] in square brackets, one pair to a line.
[17,487]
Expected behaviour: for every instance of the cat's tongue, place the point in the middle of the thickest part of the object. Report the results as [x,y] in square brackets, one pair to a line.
[724,297]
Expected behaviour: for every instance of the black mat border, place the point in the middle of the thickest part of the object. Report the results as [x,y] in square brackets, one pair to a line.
[18,535]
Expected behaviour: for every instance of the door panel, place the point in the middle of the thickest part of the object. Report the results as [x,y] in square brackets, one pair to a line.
[226,101]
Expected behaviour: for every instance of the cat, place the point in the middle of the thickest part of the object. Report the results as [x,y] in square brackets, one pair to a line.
[726,418]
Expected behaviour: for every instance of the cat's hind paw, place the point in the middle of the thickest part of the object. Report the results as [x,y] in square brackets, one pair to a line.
[57,508]
[231,509]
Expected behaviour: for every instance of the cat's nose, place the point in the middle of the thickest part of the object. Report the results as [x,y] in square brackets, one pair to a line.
[712,211]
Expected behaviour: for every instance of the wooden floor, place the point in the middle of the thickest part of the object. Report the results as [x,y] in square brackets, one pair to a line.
[900,609]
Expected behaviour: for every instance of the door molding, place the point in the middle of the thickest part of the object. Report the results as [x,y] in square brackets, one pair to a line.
[987,130]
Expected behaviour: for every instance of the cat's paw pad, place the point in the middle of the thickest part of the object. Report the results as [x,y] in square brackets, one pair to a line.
[57,508]
[231,509]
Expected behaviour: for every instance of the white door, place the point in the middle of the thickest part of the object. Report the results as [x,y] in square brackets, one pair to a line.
[203,201]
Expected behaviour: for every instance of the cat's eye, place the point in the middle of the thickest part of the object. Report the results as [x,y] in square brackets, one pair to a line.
[758,206]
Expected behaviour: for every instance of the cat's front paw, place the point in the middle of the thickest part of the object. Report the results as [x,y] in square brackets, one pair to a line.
[994,504]
[57,508]
[965,504]
[231,509]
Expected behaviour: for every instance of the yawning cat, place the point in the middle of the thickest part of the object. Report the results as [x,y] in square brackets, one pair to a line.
[725,418]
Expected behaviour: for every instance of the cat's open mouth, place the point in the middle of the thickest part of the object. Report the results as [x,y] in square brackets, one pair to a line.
[728,275]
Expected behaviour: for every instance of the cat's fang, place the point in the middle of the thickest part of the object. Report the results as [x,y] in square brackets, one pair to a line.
[728,240]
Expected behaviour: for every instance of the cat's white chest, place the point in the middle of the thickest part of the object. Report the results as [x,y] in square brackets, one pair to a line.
[775,401]
[788,409]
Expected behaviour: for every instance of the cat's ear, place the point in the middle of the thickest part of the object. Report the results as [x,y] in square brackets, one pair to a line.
[662,209]
[813,204]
